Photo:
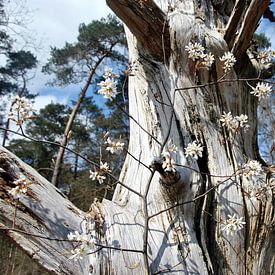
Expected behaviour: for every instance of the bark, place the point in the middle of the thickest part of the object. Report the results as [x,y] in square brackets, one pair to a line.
[240,35]
[147,22]
[172,222]
[45,216]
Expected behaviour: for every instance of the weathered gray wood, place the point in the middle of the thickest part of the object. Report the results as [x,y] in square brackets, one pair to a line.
[187,239]
[148,22]
[43,212]
[241,27]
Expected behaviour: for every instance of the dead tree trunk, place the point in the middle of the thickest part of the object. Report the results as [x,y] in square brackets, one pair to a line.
[160,222]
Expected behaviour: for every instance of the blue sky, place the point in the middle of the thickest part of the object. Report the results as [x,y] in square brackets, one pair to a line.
[53,23]
[268,28]
[56,21]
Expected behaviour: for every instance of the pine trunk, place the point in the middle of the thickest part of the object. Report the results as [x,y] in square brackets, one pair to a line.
[172,224]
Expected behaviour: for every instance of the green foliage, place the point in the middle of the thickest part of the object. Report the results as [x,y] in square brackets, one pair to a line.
[72,63]
[48,125]
[20,62]
[13,75]
[262,42]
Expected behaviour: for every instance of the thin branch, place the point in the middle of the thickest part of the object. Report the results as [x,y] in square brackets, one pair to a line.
[117,248]
[72,116]
[190,201]
[224,81]
[76,153]
[67,240]
[145,196]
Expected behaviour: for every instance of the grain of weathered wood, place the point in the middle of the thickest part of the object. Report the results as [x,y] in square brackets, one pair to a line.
[187,239]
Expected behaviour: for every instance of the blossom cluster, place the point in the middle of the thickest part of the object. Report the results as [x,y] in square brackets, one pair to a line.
[21,187]
[262,90]
[234,123]
[228,60]
[108,87]
[258,189]
[252,168]
[265,58]
[232,224]
[194,150]
[99,175]
[85,243]
[114,146]
[196,52]
[21,110]
[255,186]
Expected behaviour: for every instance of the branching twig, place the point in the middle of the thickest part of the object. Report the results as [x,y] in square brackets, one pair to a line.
[76,153]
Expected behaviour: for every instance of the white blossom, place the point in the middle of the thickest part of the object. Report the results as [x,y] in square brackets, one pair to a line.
[110,74]
[226,119]
[76,236]
[85,243]
[99,175]
[234,123]
[228,60]
[208,60]
[21,187]
[108,88]
[252,169]
[114,146]
[95,175]
[21,110]
[194,150]
[73,236]
[254,186]
[261,90]
[104,167]
[195,50]
[172,148]
[78,253]
[243,120]
[232,225]
[258,189]
[265,58]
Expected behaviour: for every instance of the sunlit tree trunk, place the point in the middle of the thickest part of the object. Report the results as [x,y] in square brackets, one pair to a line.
[186,237]
[68,129]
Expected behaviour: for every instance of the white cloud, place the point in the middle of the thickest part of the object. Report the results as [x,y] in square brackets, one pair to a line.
[57,21]
[43,100]
[53,23]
